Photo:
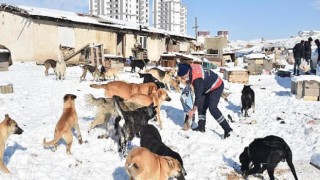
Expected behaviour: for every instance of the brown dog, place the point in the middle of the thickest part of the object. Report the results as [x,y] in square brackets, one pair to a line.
[124,89]
[7,127]
[142,164]
[49,63]
[156,98]
[67,121]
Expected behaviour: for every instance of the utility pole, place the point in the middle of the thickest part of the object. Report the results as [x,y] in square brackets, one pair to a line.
[196,28]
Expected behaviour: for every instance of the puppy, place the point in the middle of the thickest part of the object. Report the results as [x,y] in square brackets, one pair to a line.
[151,139]
[268,151]
[141,164]
[130,123]
[7,127]
[105,109]
[247,100]
[92,69]
[156,98]
[49,63]
[67,121]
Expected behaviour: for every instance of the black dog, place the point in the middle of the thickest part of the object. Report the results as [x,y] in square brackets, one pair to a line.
[140,63]
[149,78]
[247,100]
[268,151]
[151,139]
[130,123]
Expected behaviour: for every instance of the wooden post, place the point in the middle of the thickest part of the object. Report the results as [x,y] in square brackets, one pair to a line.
[92,56]
[97,56]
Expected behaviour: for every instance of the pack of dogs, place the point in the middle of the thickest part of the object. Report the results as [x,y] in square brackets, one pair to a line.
[133,106]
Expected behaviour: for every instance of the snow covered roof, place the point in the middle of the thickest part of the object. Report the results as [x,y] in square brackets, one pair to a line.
[306,78]
[4,51]
[255,56]
[84,18]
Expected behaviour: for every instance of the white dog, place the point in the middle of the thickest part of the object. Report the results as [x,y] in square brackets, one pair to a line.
[60,67]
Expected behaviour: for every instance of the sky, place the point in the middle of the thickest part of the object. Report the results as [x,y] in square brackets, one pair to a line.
[244,19]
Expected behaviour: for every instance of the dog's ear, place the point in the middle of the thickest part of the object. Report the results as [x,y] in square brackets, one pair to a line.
[73,97]
[8,121]
[7,116]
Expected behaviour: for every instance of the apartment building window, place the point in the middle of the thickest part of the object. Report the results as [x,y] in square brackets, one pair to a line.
[116,17]
[143,41]
[110,16]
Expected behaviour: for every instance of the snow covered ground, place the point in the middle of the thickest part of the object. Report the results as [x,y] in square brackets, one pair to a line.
[36,105]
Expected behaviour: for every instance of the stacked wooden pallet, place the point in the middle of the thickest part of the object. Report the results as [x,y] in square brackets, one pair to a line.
[236,75]
[307,89]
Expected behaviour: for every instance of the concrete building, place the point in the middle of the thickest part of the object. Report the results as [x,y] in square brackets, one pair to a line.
[170,15]
[223,33]
[34,34]
[128,10]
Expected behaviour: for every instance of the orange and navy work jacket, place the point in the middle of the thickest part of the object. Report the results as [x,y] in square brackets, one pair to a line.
[203,82]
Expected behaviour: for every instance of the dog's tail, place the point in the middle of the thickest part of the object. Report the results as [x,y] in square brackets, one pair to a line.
[116,100]
[289,161]
[97,86]
[92,101]
[52,142]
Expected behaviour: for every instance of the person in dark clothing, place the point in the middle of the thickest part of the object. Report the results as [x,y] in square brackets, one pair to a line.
[298,53]
[208,88]
[307,52]
[132,64]
[318,59]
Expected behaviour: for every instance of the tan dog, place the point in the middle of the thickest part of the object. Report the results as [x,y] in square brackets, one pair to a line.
[166,78]
[49,63]
[124,89]
[142,164]
[112,72]
[156,98]
[106,109]
[67,121]
[7,127]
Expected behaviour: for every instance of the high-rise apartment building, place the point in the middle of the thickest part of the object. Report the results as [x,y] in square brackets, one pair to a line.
[170,15]
[127,10]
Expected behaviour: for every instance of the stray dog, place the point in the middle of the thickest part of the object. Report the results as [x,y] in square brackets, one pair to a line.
[165,77]
[67,121]
[124,89]
[49,63]
[130,123]
[105,109]
[94,71]
[156,98]
[112,72]
[151,139]
[140,63]
[141,164]
[61,67]
[268,151]
[149,78]
[7,127]
[247,100]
